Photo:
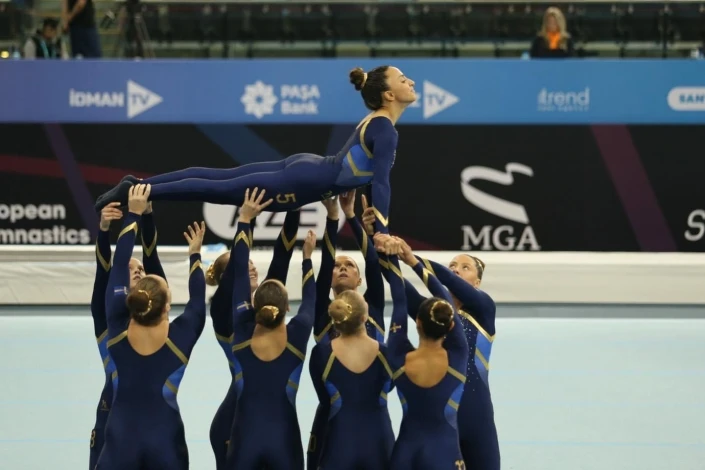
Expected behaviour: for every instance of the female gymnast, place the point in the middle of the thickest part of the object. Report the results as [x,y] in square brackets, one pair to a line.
[428,379]
[268,357]
[103,256]
[150,354]
[478,432]
[342,273]
[352,377]
[220,274]
[301,179]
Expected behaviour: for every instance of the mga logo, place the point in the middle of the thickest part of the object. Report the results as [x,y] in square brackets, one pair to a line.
[501,237]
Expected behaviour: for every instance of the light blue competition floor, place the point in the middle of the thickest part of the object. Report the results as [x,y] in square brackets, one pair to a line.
[569,394]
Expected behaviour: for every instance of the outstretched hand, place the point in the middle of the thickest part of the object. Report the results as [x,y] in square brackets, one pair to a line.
[309,244]
[368,217]
[347,203]
[108,214]
[386,244]
[253,205]
[194,237]
[137,201]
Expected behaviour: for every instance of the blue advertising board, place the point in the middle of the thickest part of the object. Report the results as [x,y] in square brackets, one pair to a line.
[454,91]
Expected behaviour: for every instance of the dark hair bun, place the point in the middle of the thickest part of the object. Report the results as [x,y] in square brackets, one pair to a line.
[138,301]
[442,312]
[357,78]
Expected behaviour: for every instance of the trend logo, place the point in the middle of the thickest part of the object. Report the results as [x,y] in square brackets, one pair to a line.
[259,99]
[140,99]
[492,204]
[436,99]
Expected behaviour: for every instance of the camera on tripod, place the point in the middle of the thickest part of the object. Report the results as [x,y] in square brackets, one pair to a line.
[133,37]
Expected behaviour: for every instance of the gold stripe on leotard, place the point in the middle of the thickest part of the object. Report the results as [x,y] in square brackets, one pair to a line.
[225,339]
[329,245]
[102,336]
[456,374]
[398,373]
[362,138]
[132,226]
[383,220]
[149,249]
[238,376]
[363,248]
[293,384]
[243,236]
[182,357]
[324,332]
[307,276]
[105,361]
[195,265]
[383,395]
[453,404]
[375,324]
[171,387]
[329,364]
[296,352]
[117,339]
[384,362]
[103,262]
[114,375]
[242,345]
[472,320]
[288,244]
[334,398]
[356,171]
[427,263]
[482,358]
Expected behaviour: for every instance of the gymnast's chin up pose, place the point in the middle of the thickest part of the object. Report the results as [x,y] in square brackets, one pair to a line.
[268,356]
[145,429]
[301,179]
[220,274]
[428,379]
[342,274]
[152,265]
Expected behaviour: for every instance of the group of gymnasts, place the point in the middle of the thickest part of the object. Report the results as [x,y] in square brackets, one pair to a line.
[448,418]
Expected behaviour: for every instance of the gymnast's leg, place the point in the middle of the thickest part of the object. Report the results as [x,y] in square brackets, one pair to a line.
[215,174]
[301,173]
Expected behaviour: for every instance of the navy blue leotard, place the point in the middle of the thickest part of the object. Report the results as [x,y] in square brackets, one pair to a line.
[145,429]
[478,432]
[323,331]
[221,314]
[358,434]
[428,437]
[265,433]
[300,179]
[150,260]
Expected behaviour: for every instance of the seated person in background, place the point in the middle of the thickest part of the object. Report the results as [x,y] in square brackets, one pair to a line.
[553,41]
[46,44]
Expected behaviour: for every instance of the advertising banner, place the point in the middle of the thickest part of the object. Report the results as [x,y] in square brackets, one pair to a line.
[312,91]
[499,188]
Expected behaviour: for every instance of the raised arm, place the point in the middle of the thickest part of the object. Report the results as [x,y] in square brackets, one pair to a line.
[150,257]
[397,339]
[480,303]
[374,295]
[284,247]
[191,322]
[322,324]
[119,281]
[380,135]
[308,286]
[102,271]
[242,309]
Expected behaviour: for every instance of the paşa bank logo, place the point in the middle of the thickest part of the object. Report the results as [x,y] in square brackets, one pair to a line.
[434,99]
[260,99]
[139,99]
[687,99]
[516,235]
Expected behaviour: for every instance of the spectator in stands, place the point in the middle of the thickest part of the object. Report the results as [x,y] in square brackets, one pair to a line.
[553,41]
[78,17]
[46,44]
